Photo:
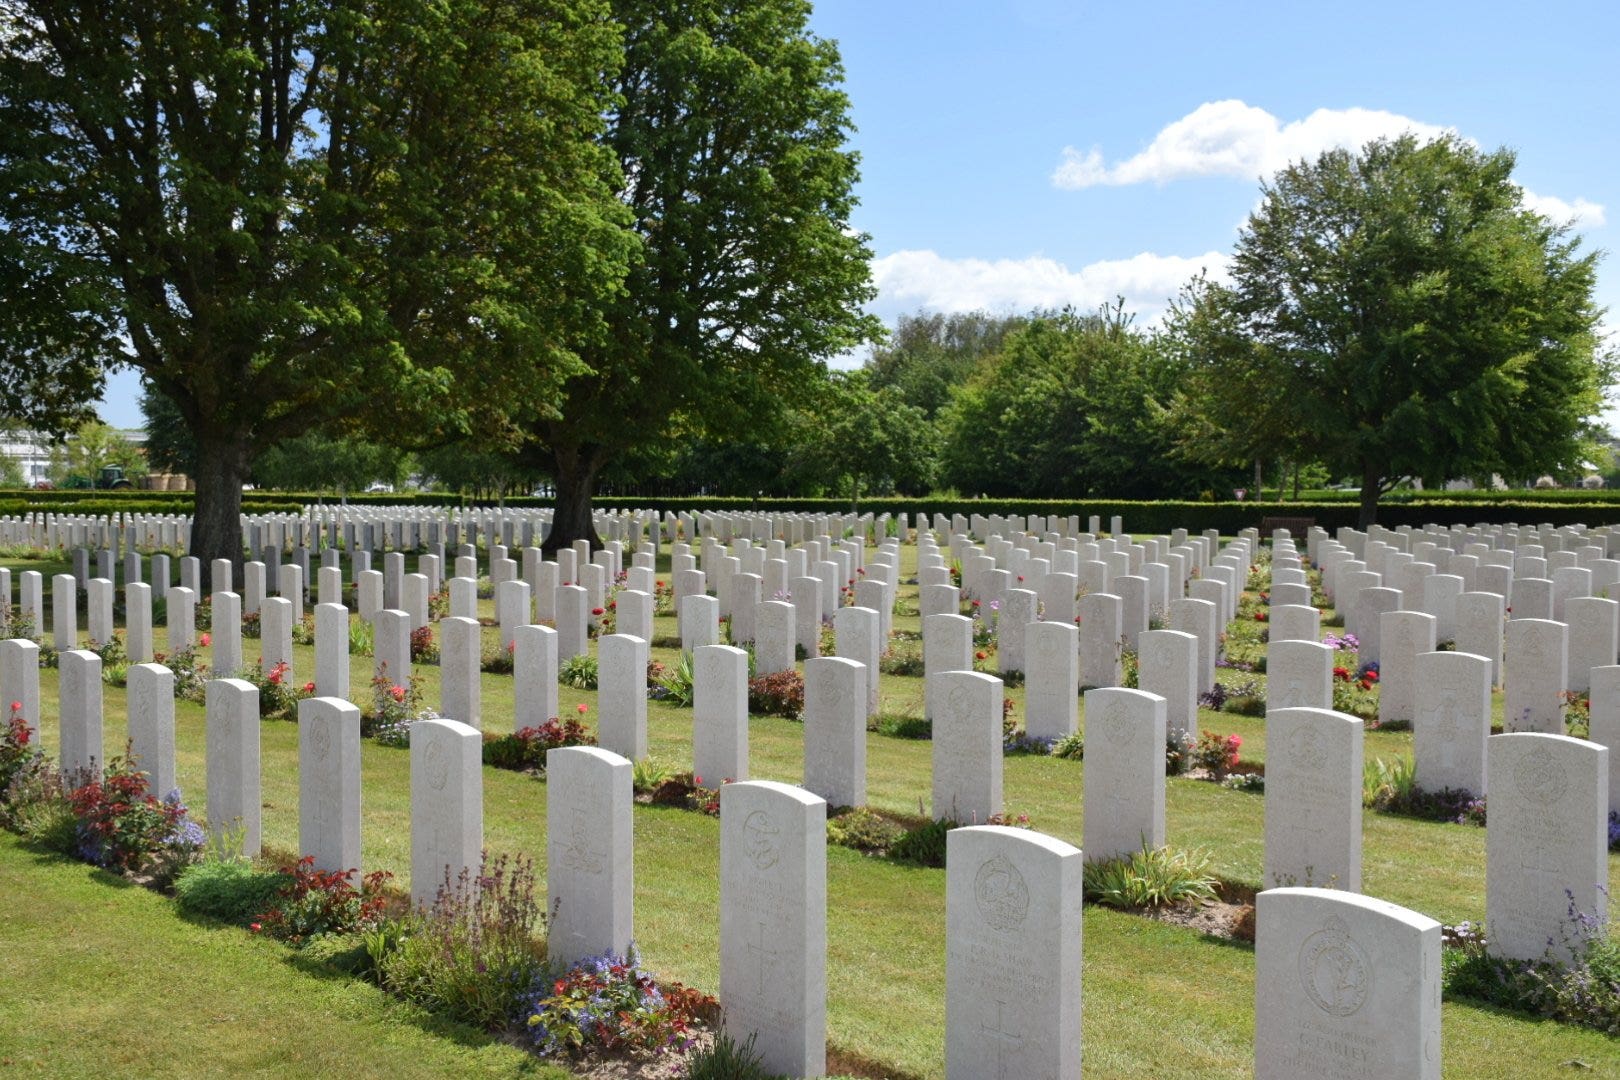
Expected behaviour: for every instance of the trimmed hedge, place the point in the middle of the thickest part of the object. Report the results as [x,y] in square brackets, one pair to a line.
[1455,508]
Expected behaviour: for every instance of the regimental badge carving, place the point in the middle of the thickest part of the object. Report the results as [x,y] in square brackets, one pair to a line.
[1335,970]
[837,696]
[959,703]
[761,840]
[436,764]
[320,740]
[1001,894]
[1539,778]
[1117,726]
[1050,648]
[1305,744]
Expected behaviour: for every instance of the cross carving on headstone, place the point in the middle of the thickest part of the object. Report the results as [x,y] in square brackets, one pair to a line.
[1004,1041]
[759,950]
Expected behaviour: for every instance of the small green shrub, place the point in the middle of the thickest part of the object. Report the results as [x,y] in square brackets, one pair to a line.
[1151,878]
[779,694]
[726,1060]
[1387,783]
[473,954]
[579,672]
[863,830]
[902,658]
[1070,746]
[922,846]
[526,749]
[649,773]
[230,890]
[678,684]
[902,726]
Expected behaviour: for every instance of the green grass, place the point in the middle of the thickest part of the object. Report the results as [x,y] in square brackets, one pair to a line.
[1160,1000]
[99,978]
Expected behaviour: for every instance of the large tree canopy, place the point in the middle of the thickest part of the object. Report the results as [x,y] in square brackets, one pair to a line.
[1068,406]
[285,211]
[1397,312]
[730,129]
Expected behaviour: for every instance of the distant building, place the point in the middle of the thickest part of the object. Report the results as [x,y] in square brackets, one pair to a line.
[31,450]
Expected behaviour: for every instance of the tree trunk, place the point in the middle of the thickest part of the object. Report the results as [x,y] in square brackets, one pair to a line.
[1259,484]
[1371,481]
[574,469]
[216,527]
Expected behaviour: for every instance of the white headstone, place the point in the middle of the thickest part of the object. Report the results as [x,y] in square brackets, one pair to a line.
[835,729]
[1546,843]
[534,676]
[1452,721]
[1123,809]
[1313,799]
[1012,954]
[773,924]
[329,784]
[151,724]
[967,747]
[1346,988]
[719,714]
[622,695]
[232,738]
[447,807]
[590,857]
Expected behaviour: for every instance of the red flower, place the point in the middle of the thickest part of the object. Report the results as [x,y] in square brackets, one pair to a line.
[398,693]
[309,688]
[975,603]
[207,641]
[1020,577]
[16,706]
[697,781]
[582,707]
[980,655]
[1372,676]
[596,611]
[255,927]
[1259,616]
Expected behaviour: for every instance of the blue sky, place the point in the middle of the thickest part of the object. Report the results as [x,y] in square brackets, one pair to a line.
[1023,153]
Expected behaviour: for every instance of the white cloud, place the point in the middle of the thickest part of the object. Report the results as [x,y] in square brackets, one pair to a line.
[1580,212]
[1232,138]
[911,279]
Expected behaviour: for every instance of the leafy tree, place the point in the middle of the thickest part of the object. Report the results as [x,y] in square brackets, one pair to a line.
[477,467]
[286,211]
[91,448]
[1398,312]
[11,474]
[854,438]
[931,353]
[1069,406]
[316,461]
[170,446]
[729,128]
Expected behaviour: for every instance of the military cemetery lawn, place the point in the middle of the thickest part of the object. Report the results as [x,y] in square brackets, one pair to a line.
[98,974]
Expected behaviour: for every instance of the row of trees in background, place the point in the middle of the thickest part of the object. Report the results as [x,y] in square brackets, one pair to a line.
[606,244]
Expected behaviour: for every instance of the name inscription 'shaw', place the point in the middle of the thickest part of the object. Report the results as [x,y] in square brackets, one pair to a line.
[1001,893]
[1335,970]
